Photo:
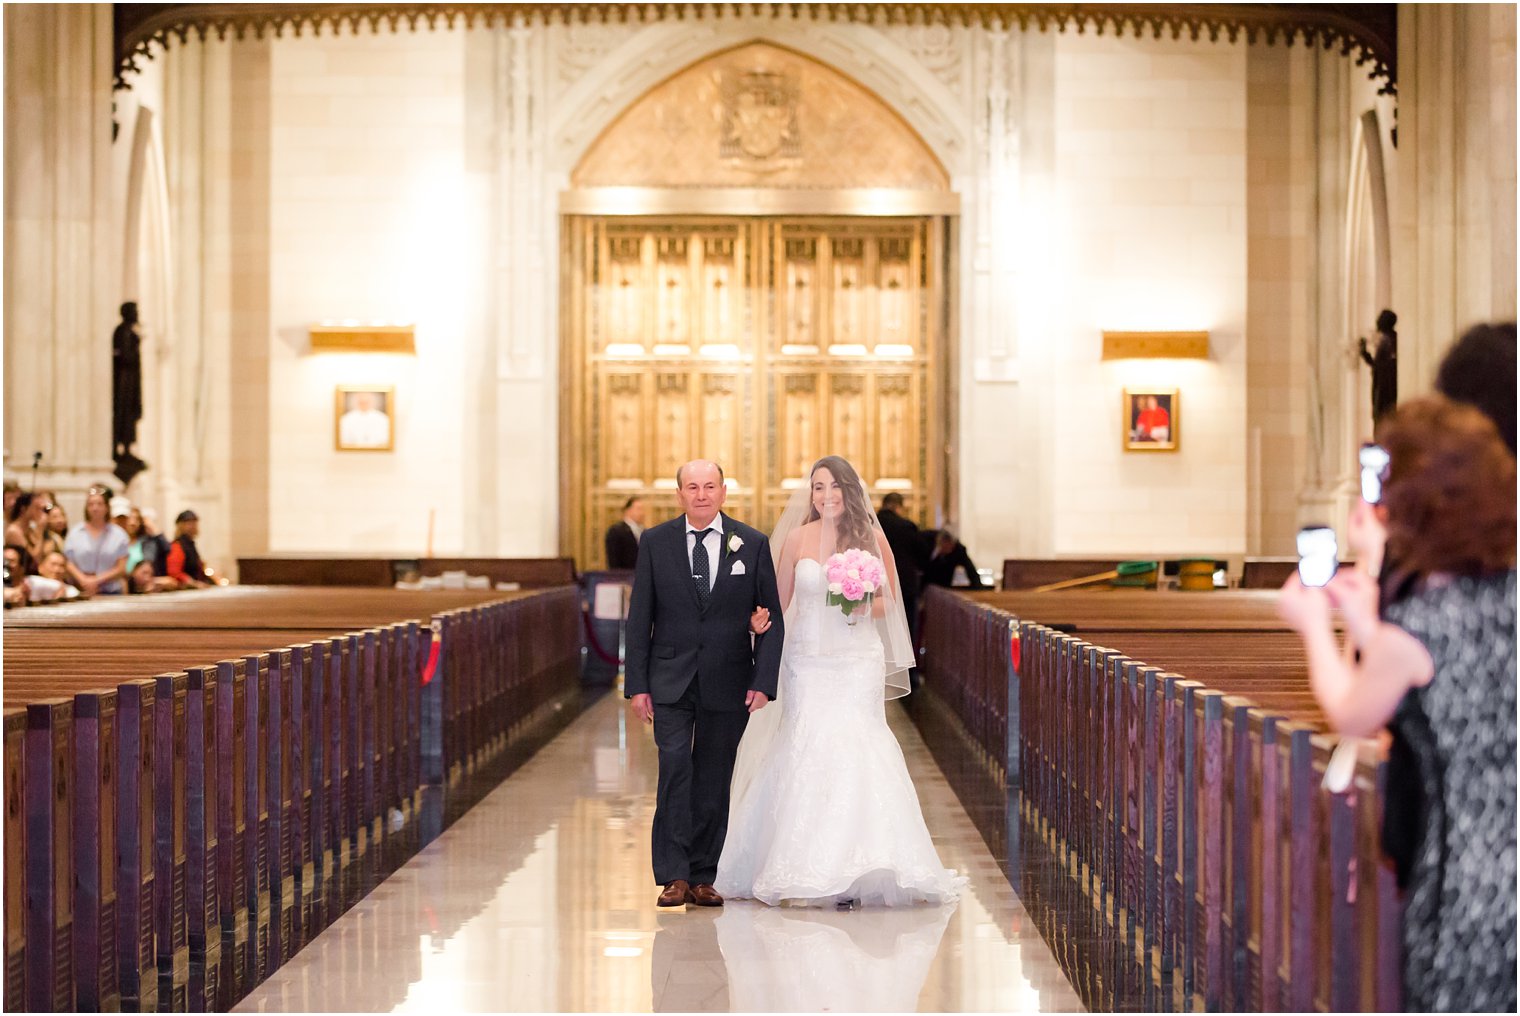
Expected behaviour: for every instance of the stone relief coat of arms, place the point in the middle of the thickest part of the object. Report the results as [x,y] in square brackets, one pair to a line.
[759,125]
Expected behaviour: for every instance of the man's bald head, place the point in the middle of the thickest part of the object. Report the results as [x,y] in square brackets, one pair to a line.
[699,485]
[696,464]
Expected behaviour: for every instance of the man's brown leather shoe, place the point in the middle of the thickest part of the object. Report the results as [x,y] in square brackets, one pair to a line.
[676,894]
[706,896]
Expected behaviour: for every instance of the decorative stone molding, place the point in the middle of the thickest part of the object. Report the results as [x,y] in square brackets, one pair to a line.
[1365,32]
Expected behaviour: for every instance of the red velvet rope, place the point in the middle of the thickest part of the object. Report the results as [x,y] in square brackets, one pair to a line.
[596,647]
[431,666]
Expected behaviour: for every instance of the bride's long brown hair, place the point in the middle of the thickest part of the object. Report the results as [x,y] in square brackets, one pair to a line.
[857,527]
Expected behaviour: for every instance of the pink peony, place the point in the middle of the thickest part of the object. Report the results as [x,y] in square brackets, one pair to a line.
[853,590]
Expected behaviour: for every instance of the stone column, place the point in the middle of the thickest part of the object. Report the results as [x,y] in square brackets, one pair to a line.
[525,515]
[1454,208]
[60,294]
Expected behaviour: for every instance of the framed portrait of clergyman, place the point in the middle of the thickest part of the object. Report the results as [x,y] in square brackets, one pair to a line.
[1151,418]
[364,418]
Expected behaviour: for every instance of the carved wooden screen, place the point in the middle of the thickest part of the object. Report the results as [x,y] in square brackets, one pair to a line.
[760,343]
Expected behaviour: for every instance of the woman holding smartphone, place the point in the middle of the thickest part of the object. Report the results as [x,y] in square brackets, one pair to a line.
[1440,667]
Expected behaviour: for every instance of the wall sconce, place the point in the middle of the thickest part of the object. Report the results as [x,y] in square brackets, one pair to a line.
[352,337]
[1155,345]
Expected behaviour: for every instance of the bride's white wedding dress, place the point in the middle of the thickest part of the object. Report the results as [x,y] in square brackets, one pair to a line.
[831,813]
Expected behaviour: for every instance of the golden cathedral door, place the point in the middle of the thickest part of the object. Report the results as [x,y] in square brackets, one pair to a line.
[760,343]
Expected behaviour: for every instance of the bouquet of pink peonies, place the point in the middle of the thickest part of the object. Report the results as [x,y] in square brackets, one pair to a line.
[854,577]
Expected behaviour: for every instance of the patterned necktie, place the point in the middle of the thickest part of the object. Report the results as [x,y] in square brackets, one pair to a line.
[701,568]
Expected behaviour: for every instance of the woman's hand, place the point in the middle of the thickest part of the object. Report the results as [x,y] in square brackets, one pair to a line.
[1305,608]
[1356,594]
[1366,536]
[760,621]
[89,585]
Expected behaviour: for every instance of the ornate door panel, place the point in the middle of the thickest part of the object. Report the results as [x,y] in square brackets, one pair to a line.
[761,343]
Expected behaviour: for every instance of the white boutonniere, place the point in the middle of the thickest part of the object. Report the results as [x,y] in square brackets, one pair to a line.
[734,543]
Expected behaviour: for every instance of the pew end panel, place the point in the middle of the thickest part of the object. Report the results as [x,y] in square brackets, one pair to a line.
[16,999]
[136,832]
[94,822]
[49,855]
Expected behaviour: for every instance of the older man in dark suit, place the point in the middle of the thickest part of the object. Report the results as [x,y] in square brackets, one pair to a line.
[692,670]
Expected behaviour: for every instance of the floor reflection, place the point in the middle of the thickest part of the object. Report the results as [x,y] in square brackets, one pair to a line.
[540,899]
[789,960]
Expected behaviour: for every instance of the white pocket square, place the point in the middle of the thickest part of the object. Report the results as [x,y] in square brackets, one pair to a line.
[738,568]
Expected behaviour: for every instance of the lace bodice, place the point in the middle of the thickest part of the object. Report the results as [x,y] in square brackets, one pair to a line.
[817,627]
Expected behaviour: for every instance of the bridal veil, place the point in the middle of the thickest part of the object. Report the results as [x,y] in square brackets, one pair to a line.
[830,513]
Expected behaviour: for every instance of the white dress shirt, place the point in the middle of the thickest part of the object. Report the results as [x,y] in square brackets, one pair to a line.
[713,541]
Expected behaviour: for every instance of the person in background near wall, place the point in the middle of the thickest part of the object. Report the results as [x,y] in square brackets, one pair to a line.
[185,565]
[1439,667]
[950,564]
[622,538]
[1479,369]
[908,553]
[1384,361]
[57,522]
[121,508]
[147,544]
[51,581]
[18,570]
[142,580]
[12,491]
[28,523]
[97,549]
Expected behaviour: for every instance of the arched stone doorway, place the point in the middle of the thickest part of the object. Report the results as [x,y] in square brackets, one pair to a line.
[755,268]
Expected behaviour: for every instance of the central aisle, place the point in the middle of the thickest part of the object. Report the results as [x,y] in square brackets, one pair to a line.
[540,898]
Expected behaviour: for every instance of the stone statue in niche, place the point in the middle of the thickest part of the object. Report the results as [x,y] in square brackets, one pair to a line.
[1384,361]
[760,131]
[126,393]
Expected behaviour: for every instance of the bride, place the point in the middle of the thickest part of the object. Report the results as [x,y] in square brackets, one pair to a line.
[823,811]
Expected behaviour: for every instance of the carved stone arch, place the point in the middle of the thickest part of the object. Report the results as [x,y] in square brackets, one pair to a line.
[654,54]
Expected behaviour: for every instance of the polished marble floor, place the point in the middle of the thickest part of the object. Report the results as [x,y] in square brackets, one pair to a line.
[540,899]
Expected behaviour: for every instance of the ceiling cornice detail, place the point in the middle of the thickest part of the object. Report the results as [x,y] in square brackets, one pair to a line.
[1365,33]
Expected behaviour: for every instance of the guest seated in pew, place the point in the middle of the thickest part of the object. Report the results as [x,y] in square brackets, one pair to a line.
[142,580]
[950,564]
[1439,666]
[97,549]
[27,523]
[148,544]
[57,523]
[18,566]
[185,565]
[51,583]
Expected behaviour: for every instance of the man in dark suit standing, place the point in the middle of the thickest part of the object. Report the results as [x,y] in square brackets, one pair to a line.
[622,538]
[693,672]
[908,552]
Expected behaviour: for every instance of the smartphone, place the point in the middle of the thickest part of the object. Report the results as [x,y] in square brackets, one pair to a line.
[1374,461]
[1317,555]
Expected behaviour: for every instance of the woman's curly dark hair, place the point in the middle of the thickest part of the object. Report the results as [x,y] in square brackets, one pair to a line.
[1450,491]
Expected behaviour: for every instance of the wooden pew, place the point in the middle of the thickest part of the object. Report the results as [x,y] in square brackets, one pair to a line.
[49,855]
[137,961]
[94,863]
[330,570]
[1169,756]
[1030,573]
[16,997]
[270,769]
